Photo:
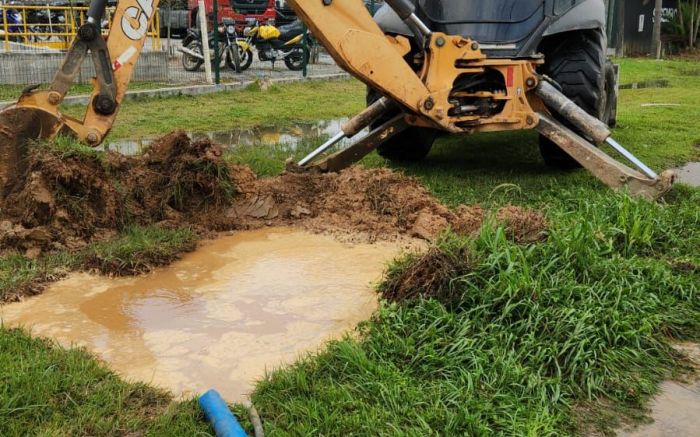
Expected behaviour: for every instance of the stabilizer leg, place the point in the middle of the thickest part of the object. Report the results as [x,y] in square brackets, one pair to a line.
[348,156]
[610,171]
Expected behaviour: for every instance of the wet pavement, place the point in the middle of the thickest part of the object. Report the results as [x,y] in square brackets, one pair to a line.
[288,136]
[689,174]
[221,316]
[676,410]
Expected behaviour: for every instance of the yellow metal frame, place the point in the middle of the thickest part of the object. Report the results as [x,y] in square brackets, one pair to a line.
[75,17]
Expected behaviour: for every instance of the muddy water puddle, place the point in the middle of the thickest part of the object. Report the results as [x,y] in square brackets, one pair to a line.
[287,136]
[689,174]
[219,317]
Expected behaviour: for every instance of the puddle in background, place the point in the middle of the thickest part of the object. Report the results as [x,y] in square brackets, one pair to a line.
[676,410]
[689,174]
[660,83]
[220,316]
[289,136]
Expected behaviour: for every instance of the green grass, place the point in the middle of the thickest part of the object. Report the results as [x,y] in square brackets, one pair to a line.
[47,390]
[527,336]
[279,105]
[534,340]
[12,92]
[138,249]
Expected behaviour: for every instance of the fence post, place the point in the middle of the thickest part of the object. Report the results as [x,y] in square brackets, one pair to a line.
[217,60]
[5,29]
[305,50]
[50,30]
[24,26]
[170,20]
[202,14]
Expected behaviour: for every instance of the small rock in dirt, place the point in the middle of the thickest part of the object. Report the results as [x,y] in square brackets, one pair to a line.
[32,253]
[6,226]
[75,243]
[428,225]
[299,211]
[39,235]
[259,207]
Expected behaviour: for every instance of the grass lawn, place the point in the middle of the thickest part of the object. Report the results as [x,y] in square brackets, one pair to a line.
[12,92]
[554,338]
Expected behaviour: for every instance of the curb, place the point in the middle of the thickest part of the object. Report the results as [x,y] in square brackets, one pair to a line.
[194,90]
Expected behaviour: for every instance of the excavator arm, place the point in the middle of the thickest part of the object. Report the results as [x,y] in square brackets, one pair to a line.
[36,115]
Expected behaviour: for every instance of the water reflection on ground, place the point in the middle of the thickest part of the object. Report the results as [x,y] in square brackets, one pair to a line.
[289,136]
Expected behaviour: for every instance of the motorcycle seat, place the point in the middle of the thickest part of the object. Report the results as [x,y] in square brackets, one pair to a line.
[289,31]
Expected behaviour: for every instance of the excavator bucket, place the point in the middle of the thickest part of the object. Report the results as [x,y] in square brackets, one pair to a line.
[19,126]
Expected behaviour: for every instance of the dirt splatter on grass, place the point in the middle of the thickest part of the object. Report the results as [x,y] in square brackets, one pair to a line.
[67,200]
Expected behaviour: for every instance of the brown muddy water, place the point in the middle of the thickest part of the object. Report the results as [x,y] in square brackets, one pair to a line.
[221,316]
[287,136]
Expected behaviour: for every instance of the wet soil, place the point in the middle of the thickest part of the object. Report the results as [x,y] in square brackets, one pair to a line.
[67,200]
[221,316]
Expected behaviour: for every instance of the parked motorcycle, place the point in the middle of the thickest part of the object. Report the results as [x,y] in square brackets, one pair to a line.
[43,23]
[273,44]
[14,24]
[193,55]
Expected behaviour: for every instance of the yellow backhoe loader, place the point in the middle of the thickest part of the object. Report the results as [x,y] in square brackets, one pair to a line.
[427,80]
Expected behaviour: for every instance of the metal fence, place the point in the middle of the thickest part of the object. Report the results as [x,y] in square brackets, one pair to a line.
[32,50]
[34,28]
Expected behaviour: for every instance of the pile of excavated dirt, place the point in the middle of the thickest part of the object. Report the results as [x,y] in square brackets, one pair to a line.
[67,200]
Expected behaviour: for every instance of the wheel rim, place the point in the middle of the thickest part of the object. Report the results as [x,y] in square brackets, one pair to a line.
[190,62]
[296,58]
[242,55]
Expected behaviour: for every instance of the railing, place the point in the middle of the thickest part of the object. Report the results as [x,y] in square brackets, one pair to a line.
[53,27]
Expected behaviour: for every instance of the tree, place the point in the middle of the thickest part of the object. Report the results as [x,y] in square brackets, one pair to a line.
[656,43]
[689,20]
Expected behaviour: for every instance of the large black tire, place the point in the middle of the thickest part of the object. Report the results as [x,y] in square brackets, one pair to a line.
[577,62]
[413,144]
[611,89]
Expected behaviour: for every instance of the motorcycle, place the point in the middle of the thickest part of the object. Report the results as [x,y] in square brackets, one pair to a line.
[43,23]
[272,44]
[14,24]
[193,55]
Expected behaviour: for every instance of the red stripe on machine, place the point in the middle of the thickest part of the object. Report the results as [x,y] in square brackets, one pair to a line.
[509,77]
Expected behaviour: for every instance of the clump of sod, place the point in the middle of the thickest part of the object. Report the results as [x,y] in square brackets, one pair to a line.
[138,250]
[521,342]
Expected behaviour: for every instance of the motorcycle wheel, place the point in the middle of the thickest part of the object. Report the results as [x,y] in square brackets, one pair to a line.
[190,63]
[245,58]
[296,59]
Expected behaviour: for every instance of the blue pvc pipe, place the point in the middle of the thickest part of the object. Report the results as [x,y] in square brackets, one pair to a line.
[220,417]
